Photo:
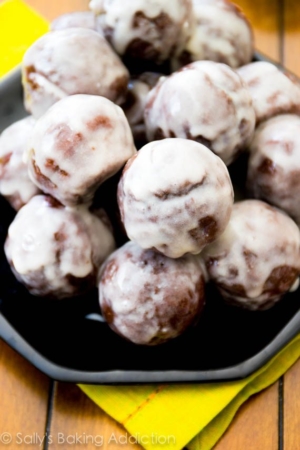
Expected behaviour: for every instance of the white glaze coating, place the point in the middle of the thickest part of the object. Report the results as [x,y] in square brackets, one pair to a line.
[134,107]
[81,19]
[137,96]
[222,34]
[71,61]
[204,101]
[49,247]
[274,164]
[175,196]
[271,90]
[96,6]
[163,26]
[76,145]
[139,91]
[158,302]
[15,183]
[257,258]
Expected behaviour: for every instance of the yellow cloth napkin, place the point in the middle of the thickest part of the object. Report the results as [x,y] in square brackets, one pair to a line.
[20,26]
[196,416]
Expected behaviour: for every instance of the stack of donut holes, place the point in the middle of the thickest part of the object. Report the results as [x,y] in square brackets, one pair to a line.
[120,176]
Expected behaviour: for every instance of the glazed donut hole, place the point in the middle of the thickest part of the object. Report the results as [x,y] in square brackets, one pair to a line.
[222,34]
[67,62]
[175,196]
[257,259]
[57,252]
[15,184]
[274,165]
[146,29]
[220,112]
[163,298]
[280,96]
[71,155]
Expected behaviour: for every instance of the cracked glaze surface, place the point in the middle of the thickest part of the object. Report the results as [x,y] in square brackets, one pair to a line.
[71,61]
[146,29]
[56,251]
[272,91]
[204,101]
[15,184]
[175,196]
[274,164]
[159,302]
[70,155]
[222,34]
[257,258]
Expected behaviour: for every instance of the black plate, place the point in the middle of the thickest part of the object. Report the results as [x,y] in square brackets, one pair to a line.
[67,340]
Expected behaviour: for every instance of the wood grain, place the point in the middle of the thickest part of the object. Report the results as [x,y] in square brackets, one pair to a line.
[292,377]
[292,408]
[23,398]
[292,35]
[74,413]
[255,425]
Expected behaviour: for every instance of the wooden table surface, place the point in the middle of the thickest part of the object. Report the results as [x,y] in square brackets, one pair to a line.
[31,403]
